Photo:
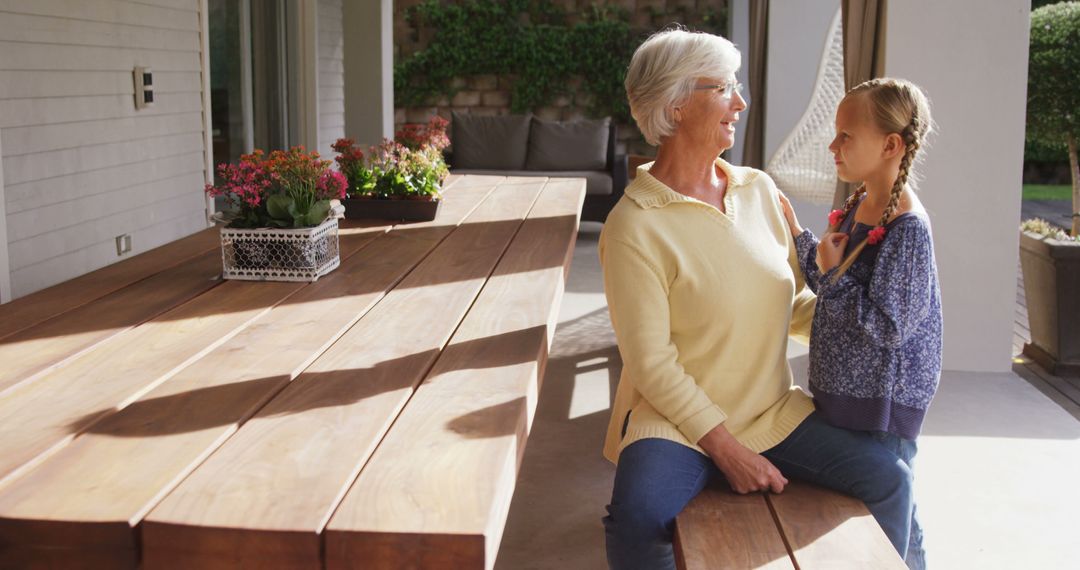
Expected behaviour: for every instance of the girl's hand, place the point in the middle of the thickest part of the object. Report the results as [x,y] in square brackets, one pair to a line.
[830,251]
[789,213]
[744,470]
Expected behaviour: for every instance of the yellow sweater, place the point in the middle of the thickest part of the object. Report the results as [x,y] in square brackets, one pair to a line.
[702,303]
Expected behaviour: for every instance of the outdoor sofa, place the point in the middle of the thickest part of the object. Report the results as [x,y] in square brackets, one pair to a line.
[524,145]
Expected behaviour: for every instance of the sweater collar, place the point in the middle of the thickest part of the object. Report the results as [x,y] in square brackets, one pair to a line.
[648,192]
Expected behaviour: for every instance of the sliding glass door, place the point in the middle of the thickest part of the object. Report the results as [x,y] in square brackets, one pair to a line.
[249,73]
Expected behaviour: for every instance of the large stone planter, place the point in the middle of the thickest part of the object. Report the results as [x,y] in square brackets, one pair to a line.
[1052,285]
[272,254]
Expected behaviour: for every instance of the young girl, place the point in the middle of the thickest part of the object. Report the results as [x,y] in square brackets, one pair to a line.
[875,346]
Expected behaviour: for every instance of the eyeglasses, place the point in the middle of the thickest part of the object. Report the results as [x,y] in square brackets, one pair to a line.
[724,89]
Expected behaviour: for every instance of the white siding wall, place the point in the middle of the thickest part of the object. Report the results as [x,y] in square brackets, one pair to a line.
[80,164]
[331,75]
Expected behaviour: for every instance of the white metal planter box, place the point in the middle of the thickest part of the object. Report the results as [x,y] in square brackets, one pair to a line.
[272,254]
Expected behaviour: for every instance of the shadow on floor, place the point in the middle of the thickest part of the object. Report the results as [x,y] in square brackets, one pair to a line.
[562,529]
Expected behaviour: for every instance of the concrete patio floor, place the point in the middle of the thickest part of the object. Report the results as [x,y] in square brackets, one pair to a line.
[998,470]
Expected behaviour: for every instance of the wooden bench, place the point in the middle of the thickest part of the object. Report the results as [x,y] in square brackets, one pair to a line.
[243,427]
[805,527]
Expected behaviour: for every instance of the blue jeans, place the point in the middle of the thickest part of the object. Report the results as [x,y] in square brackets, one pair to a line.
[906,449]
[656,478]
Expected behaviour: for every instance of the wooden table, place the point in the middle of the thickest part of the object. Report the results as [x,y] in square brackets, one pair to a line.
[155,415]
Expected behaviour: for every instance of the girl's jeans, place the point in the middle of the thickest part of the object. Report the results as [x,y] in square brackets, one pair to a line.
[656,478]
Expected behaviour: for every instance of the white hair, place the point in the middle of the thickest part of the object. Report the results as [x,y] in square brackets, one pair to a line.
[663,73]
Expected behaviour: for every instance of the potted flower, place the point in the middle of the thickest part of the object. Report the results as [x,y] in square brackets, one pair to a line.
[280,223]
[1050,257]
[398,179]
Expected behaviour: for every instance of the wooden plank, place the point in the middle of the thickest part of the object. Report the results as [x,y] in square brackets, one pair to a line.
[42,416]
[277,481]
[1037,377]
[80,505]
[480,180]
[437,491]
[32,309]
[1021,327]
[826,529]
[722,529]
[36,351]
[103,483]
[1068,387]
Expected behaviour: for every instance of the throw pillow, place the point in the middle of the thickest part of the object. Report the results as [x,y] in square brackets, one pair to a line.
[574,145]
[493,143]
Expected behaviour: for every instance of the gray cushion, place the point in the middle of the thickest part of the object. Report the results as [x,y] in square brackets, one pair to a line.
[597,182]
[489,142]
[576,145]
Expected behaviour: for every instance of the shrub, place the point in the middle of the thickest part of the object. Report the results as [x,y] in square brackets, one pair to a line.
[528,41]
[1053,109]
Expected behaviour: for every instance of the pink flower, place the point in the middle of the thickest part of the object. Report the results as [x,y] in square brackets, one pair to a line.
[835,217]
[331,185]
[876,235]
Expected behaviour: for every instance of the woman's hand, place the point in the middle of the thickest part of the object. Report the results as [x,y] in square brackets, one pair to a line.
[830,251]
[789,213]
[745,470]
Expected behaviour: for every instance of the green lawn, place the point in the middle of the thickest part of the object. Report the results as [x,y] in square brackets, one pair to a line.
[1047,192]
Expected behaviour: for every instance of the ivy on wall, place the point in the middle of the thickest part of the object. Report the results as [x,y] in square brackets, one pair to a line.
[530,41]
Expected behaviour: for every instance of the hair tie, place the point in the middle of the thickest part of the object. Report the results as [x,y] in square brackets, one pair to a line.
[876,235]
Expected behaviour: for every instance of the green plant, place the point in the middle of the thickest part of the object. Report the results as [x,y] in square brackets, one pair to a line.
[410,167]
[1053,109]
[360,180]
[528,41]
[399,172]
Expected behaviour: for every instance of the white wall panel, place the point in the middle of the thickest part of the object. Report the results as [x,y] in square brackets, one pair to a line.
[80,164]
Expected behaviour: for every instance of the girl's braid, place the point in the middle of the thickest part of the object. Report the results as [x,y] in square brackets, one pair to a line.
[849,205]
[911,137]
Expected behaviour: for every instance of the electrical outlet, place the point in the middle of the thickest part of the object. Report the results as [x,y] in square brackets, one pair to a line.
[123,244]
[144,87]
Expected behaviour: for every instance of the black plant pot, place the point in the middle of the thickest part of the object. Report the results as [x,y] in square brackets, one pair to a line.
[1052,288]
[397,210]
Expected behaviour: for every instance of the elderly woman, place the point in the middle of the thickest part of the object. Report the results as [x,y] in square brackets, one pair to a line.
[703,286]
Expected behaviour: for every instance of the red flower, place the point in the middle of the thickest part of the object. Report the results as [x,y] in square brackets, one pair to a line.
[417,136]
[876,235]
[835,217]
[342,145]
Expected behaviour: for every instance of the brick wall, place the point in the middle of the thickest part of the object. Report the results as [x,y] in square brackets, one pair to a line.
[490,95]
